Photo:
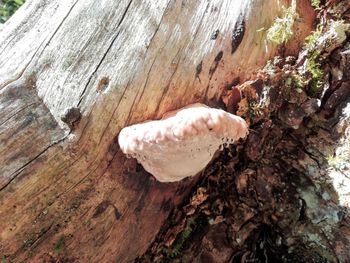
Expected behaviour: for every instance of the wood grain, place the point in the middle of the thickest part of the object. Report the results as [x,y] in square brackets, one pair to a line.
[69,194]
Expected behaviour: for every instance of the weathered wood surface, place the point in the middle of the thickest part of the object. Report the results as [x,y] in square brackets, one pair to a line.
[67,193]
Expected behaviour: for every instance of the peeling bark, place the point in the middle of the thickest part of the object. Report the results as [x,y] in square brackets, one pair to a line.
[283,194]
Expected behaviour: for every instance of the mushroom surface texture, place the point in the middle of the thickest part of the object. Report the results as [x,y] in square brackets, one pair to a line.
[183,142]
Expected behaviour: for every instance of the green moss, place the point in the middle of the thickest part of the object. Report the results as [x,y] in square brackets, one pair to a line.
[295,81]
[320,42]
[253,109]
[315,3]
[316,72]
[334,161]
[179,243]
[8,8]
[282,29]
[311,40]
[59,245]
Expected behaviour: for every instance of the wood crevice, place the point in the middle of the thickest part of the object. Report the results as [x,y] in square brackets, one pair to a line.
[104,54]
[16,173]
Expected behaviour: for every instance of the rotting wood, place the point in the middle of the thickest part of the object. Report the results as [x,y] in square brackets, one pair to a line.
[283,194]
[69,194]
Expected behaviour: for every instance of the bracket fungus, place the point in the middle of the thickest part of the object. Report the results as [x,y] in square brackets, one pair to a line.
[183,142]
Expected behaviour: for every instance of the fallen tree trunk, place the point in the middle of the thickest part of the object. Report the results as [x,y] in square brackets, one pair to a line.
[73,73]
[283,194]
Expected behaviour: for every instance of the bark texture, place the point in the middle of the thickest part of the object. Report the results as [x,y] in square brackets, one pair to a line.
[283,194]
[72,74]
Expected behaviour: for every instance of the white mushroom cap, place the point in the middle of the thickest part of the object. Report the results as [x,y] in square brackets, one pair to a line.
[183,142]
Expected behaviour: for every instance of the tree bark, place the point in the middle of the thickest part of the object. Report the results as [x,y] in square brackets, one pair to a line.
[283,194]
[73,73]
